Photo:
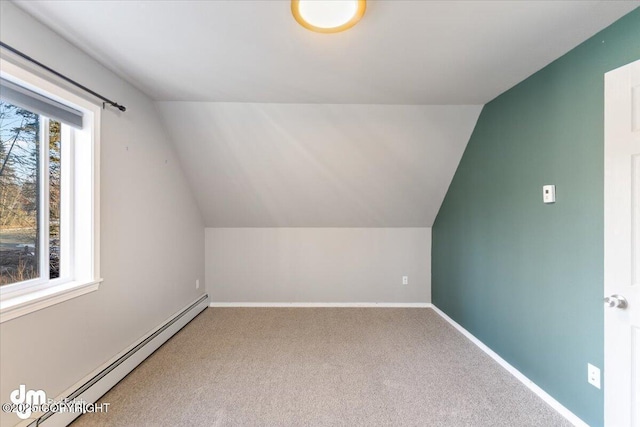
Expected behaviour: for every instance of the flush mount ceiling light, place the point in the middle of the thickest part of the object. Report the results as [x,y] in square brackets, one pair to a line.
[328,16]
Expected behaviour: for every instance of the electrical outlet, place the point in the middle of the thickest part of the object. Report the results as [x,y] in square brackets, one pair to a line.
[593,375]
[405,280]
[197,283]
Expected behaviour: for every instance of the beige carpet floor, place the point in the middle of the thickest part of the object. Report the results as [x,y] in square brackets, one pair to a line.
[320,367]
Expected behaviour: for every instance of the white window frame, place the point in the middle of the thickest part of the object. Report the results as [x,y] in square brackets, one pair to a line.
[80,205]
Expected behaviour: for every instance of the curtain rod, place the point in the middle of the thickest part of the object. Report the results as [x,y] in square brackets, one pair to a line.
[65,78]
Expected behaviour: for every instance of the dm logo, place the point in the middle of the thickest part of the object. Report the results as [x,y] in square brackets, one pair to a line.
[25,400]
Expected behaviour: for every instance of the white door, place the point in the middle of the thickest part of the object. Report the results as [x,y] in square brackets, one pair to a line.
[622,247]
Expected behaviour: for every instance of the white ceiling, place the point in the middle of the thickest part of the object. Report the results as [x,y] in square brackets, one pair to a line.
[402,52]
[286,165]
[269,141]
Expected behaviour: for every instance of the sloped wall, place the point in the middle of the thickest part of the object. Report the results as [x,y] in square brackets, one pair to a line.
[319,165]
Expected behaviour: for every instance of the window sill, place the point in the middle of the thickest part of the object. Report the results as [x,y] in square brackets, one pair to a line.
[34,301]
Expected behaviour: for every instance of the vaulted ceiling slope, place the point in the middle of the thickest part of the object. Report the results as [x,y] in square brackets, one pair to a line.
[402,52]
[267,165]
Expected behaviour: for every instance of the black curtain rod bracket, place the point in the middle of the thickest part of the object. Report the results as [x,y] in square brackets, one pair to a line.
[65,78]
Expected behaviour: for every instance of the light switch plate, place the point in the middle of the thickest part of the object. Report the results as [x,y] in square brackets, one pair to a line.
[549,193]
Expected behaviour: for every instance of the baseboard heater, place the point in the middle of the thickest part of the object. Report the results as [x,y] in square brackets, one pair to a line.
[95,387]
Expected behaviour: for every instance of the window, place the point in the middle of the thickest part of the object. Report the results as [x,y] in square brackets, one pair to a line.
[48,193]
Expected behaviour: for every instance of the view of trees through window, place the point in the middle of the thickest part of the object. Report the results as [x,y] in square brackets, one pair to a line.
[20,194]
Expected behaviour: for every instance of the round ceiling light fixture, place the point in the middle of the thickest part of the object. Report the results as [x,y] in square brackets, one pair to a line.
[328,16]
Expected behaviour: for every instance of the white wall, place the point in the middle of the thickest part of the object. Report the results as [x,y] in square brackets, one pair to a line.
[318,264]
[319,165]
[152,235]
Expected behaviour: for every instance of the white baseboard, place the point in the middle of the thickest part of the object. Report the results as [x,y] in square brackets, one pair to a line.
[570,416]
[323,304]
[95,385]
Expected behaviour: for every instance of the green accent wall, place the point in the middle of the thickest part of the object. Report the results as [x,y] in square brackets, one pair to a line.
[524,277]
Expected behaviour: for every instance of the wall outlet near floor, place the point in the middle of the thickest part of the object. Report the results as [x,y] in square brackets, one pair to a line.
[405,280]
[197,283]
[593,375]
